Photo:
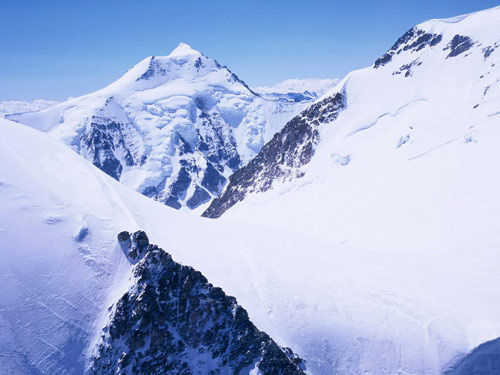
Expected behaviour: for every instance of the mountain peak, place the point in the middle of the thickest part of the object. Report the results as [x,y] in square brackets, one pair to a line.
[183,49]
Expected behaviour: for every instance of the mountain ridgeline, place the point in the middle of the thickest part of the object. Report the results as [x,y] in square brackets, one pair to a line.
[431,44]
[173,321]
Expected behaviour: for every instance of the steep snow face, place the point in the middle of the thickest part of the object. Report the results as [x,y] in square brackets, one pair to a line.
[407,175]
[58,259]
[443,69]
[173,127]
[19,106]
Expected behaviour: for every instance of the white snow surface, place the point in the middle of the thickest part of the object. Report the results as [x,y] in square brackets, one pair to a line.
[380,260]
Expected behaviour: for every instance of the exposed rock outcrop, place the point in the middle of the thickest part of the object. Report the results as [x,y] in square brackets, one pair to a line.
[173,321]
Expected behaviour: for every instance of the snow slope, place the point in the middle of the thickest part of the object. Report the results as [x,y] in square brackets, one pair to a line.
[173,127]
[403,190]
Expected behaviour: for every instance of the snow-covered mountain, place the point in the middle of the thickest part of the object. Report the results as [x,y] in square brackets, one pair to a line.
[399,176]
[20,106]
[62,268]
[173,127]
[364,235]
[438,84]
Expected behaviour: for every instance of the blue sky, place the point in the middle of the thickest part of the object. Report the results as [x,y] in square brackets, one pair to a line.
[54,49]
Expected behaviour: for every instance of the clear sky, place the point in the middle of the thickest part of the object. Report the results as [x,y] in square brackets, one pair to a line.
[53,49]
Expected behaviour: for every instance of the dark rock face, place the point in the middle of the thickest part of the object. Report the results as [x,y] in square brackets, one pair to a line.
[413,40]
[134,246]
[487,51]
[281,157]
[407,68]
[173,321]
[154,69]
[105,142]
[199,197]
[217,147]
[213,181]
[459,44]
[178,188]
[484,360]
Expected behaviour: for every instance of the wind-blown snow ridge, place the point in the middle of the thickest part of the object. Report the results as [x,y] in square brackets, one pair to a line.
[63,273]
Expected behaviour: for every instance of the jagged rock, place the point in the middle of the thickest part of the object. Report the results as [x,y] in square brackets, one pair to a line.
[413,40]
[459,44]
[135,245]
[106,141]
[140,240]
[173,321]
[282,157]
[407,68]
[487,51]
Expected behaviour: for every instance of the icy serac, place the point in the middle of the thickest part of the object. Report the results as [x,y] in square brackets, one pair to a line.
[173,127]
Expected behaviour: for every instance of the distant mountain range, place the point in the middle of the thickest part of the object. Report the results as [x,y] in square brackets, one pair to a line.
[19,106]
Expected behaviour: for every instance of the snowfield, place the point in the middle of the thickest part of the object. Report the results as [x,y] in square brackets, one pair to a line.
[384,258]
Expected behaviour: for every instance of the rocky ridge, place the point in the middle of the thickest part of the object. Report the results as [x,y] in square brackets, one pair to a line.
[172,321]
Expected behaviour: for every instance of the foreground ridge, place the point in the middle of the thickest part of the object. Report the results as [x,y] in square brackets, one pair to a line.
[172,320]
